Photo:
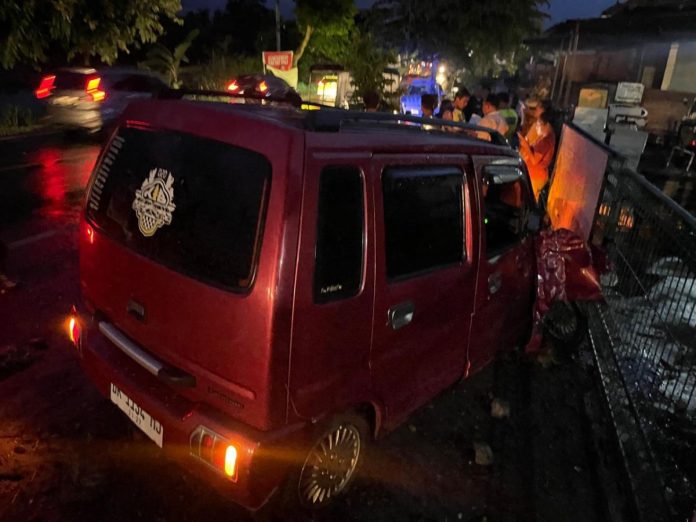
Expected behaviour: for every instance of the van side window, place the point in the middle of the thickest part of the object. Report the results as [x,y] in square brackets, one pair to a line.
[423,219]
[340,234]
[507,204]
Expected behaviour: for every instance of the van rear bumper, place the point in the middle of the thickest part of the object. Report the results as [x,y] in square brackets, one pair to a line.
[261,463]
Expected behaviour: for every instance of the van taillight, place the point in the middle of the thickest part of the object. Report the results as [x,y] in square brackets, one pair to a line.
[93,89]
[231,461]
[215,451]
[45,87]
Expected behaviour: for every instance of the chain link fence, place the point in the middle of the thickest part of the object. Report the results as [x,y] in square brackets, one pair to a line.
[644,339]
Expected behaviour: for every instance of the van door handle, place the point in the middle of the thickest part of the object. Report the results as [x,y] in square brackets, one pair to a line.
[401,315]
[495,282]
[136,309]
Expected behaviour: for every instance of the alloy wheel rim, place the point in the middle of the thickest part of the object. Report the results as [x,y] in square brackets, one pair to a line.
[329,465]
[563,323]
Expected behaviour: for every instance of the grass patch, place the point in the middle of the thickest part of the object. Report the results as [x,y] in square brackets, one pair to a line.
[17,120]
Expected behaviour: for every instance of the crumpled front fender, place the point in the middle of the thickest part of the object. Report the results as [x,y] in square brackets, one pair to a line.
[565,269]
[565,272]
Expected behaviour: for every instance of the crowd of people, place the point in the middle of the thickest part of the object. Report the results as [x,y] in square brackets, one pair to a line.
[526,124]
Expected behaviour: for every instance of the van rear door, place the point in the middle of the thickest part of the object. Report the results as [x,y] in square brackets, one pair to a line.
[174,259]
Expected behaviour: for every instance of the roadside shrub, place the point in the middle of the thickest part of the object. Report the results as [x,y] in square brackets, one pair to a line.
[14,116]
[221,68]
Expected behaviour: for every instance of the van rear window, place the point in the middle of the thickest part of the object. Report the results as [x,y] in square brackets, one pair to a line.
[192,204]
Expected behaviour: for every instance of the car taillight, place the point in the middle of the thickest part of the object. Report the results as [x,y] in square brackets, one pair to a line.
[262,86]
[45,87]
[232,86]
[215,451]
[93,89]
[692,143]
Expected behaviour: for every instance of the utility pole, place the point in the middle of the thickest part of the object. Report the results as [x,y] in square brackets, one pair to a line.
[277,14]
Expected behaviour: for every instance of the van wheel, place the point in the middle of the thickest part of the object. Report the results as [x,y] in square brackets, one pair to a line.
[566,325]
[326,469]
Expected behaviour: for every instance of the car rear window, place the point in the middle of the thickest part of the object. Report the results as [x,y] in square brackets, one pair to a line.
[192,204]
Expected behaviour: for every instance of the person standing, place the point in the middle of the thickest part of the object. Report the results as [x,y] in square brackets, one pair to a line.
[475,105]
[538,146]
[428,105]
[371,101]
[446,110]
[521,106]
[492,118]
[509,115]
[461,100]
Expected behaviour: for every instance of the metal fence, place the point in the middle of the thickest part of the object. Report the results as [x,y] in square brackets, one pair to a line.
[644,339]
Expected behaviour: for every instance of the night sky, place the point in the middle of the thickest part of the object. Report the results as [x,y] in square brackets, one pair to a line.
[559,9]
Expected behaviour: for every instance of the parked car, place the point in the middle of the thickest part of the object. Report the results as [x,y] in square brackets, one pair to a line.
[90,99]
[267,289]
[259,85]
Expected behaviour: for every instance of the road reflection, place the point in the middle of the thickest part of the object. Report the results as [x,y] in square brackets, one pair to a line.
[49,182]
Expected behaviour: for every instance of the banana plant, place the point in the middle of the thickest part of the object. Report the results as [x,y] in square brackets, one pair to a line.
[160,59]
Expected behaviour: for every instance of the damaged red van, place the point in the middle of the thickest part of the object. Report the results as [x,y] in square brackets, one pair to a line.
[265,288]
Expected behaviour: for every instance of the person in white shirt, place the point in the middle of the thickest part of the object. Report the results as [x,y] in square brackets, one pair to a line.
[492,118]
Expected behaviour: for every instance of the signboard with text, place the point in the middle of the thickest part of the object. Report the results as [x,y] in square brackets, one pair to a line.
[279,60]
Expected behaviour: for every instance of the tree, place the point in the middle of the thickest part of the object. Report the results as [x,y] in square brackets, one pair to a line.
[167,62]
[327,25]
[473,32]
[84,28]
[366,62]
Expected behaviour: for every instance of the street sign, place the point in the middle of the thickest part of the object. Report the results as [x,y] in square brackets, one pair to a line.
[280,60]
[627,92]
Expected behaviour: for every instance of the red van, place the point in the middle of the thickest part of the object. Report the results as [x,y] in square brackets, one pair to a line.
[265,289]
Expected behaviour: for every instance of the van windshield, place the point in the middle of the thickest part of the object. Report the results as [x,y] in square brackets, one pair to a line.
[192,204]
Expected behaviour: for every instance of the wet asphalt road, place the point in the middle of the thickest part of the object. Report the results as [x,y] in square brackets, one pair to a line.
[41,187]
[67,454]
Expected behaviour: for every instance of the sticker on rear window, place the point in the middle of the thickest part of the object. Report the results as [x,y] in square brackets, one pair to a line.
[154,201]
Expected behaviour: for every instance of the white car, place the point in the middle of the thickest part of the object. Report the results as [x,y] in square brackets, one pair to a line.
[90,99]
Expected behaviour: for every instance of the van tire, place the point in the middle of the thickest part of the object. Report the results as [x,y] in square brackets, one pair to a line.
[566,326]
[310,488]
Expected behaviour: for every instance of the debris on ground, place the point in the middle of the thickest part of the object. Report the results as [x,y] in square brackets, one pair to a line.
[500,409]
[15,358]
[483,454]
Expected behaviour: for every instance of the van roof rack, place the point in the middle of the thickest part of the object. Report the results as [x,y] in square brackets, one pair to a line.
[178,94]
[332,119]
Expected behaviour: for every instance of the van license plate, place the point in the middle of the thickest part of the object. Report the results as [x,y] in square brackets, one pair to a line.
[142,419]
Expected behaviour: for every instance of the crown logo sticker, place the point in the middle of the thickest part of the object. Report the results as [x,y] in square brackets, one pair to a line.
[154,201]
